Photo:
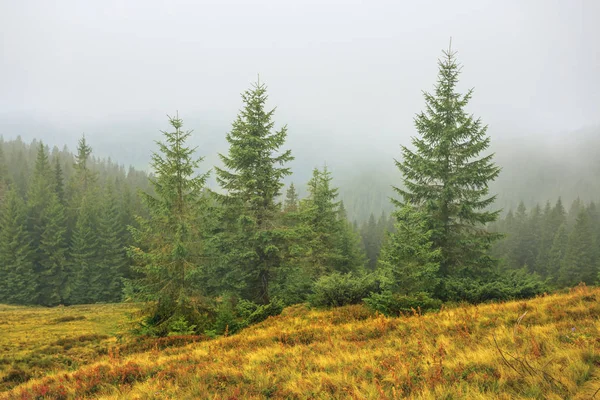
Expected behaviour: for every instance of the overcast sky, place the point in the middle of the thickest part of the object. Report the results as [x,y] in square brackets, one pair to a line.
[348,70]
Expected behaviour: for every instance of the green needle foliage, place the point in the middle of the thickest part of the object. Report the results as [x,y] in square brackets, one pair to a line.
[252,179]
[168,250]
[446,180]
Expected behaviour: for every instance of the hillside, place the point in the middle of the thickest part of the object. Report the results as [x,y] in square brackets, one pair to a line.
[543,348]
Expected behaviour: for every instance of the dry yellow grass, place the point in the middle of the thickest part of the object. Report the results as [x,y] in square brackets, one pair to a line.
[545,348]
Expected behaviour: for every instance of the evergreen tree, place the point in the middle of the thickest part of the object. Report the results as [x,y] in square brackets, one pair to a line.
[4,174]
[445,180]
[168,250]
[370,238]
[252,179]
[17,275]
[59,184]
[579,263]
[574,212]
[408,263]
[556,253]
[53,249]
[83,274]
[112,263]
[320,213]
[38,201]
[553,219]
[291,199]
[353,258]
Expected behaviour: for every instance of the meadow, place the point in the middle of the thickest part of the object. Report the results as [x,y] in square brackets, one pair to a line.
[544,348]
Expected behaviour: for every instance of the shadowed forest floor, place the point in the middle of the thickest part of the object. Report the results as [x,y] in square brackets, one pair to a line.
[545,348]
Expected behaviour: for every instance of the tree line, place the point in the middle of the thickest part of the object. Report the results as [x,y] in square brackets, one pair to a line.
[63,220]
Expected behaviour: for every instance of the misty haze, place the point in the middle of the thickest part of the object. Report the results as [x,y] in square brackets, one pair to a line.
[297,200]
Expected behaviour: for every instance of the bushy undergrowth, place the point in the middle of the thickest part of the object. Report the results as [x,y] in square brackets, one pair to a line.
[342,289]
[389,303]
[232,315]
[510,285]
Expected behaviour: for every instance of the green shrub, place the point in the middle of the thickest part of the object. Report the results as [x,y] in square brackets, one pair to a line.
[342,289]
[389,303]
[181,327]
[233,315]
[509,285]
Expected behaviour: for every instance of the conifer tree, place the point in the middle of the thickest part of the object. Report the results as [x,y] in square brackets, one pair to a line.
[353,258]
[291,199]
[38,201]
[4,175]
[53,249]
[252,178]
[446,179]
[169,248]
[83,273]
[320,212]
[59,184]
[553,219]
[17,275]
[371,241]
[408,263]
[579,263]
[112,261]
[556,254]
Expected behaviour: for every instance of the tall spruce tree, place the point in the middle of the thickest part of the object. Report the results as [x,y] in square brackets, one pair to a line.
[53,249]
[112,261]
[252,179]
[83,273]
[168,252]
[17,275]
[579,263]
[320,213]
[446,179]
[4,174]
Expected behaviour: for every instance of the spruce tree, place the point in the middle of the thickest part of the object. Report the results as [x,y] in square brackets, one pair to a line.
[579,263]
[556,254]
[252,179]
[370,238]
[290,203]
[53,249]
[59,184]
[553,219]
[353,258]
[320,213]
[83,274]
[446,179]
[112,262]
[17,275]
[4,174]
[38,201]
[408,263]
[168,250]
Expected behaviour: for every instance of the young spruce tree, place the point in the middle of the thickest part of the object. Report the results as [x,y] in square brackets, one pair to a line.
[168,250]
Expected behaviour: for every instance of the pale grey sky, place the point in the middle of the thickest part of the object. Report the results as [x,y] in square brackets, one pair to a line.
[346,71]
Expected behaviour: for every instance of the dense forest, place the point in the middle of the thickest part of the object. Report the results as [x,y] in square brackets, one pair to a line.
[76,229]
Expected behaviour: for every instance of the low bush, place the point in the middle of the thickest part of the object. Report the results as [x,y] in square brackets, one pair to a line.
[342,289]
[394,304]
[510,285]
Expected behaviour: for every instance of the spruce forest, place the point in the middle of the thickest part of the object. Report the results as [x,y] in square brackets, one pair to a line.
[235,266]
[81,230]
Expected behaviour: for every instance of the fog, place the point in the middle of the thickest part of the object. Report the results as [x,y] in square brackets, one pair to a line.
[346,76]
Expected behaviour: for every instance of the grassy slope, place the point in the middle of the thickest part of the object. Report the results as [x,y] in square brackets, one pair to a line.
[546,348]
